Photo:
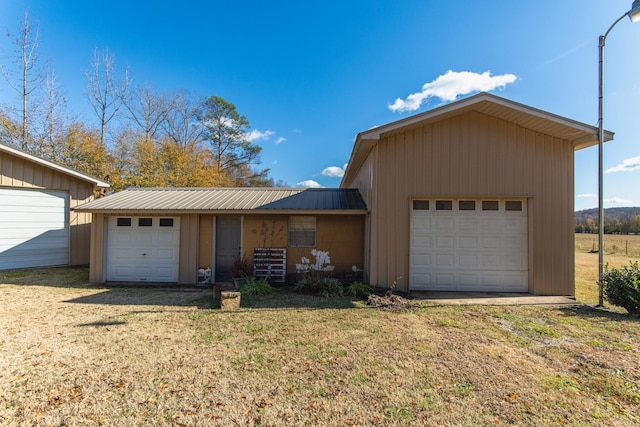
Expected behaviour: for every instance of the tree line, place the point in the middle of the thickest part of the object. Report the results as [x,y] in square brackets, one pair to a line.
[616,221]
[139,137]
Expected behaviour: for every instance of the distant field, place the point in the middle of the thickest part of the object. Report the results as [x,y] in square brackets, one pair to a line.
[619,250]
[614,244]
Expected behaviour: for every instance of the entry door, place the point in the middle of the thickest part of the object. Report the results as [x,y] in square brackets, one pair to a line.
[228,235]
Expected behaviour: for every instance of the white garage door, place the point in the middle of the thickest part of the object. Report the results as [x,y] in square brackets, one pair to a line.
[469,245]
[142,249]
[34,228]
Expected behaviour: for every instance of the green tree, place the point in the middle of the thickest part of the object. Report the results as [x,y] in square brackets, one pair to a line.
[226,132]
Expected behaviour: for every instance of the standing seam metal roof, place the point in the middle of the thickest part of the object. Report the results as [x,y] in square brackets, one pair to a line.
[228,199]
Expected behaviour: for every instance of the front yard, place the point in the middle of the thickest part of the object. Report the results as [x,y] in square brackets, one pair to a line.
[72,354]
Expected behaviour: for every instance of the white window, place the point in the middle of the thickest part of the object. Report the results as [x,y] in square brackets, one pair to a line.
[302,231]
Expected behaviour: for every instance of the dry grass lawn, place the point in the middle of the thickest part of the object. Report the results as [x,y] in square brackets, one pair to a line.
[72,354]
[619,251]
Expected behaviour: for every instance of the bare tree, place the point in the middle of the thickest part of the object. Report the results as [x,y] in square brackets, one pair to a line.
[105,92]
[181,124]
[148,109]
[54,118]
[27,77]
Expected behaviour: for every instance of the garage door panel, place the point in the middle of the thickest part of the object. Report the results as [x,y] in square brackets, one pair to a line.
[442,279]
[490,242]
[468,280]
[36,220]
[444,242]
[148,253]
[421,260]
[167,255]
[515,262]
[446,224]
[166,274]
[444,260]
[144,273]
[469,250]
[466,224]
[516,243]
[468,243]
[166,238]
[34,228]
[420,242]
[144,237]
[468,261]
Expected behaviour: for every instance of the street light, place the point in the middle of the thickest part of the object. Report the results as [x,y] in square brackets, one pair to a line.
[634,15]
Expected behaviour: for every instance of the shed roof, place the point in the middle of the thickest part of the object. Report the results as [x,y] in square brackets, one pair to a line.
[49,164]
[229,200]
[579,134]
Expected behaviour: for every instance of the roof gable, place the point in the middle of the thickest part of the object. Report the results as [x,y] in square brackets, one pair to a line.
[229,200]
[579,134]
[51,165]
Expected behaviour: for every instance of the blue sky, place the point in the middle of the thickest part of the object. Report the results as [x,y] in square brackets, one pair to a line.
[310,75]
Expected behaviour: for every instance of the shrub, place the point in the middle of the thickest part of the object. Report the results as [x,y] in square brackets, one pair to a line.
[621,287]
[241,267]
[358,289]
[318,285]
[315,277]
[257,287]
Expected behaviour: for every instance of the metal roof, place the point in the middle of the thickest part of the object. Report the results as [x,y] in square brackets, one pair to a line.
[30,157]
[579,134]
[228,200]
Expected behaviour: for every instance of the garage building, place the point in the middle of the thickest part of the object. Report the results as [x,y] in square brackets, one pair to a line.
[37,225]
[475,195]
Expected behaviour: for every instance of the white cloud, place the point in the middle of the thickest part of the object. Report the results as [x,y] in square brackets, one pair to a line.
[627,165]
[618,200]
[450,85]
[586,195]
[309,184]
[255,135]
[280,140]
[333,171]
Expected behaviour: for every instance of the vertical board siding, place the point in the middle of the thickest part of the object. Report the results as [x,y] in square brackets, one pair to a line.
[21,173]
[341,235]
[473,155]
[96,256]
[188,251]
[205,242]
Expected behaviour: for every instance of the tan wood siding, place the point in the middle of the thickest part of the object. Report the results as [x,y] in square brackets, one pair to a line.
[188,258]
[365,181]
[17,172]
[205,242]
[474,155]
[341,235]
[96,260]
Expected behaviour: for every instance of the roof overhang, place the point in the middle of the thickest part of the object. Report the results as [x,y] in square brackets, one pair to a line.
[51,165]
[579,134]
[236,201]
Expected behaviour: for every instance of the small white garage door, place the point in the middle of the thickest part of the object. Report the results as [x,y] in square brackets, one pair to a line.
[469,245]
[34,228]
[142,249]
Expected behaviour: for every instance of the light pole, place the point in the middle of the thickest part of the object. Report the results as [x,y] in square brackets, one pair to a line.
[634,15]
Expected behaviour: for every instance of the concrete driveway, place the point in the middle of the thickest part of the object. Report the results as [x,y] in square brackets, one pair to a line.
[490,298]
